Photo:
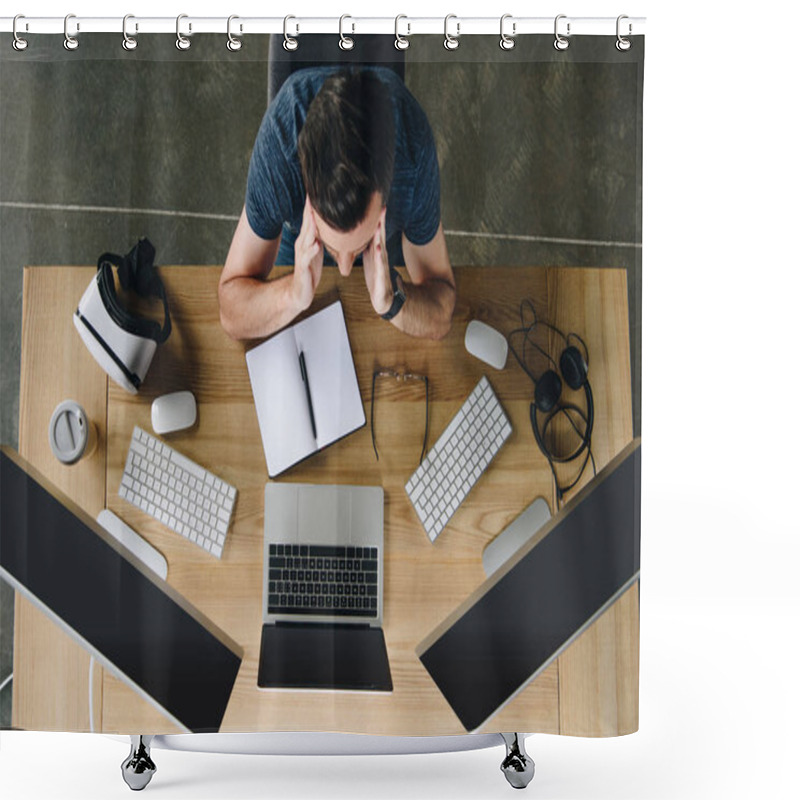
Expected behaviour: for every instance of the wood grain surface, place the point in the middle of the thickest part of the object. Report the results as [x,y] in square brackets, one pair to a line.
[592,689]
[51,685]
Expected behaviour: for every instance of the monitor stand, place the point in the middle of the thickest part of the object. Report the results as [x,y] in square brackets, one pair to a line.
[508,541]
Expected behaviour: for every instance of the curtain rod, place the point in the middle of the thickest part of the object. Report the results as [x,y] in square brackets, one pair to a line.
[453,26]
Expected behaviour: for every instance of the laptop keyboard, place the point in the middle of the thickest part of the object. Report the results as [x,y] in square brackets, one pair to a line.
[321,580]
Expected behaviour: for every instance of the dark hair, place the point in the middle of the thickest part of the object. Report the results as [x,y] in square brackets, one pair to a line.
[346,147]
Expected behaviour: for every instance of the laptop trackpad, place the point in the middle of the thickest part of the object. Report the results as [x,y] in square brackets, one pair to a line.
[323,656]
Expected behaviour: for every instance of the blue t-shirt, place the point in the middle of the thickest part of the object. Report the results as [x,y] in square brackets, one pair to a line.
[275,191]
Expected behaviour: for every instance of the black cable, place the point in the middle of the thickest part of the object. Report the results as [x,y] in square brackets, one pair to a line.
[565,408]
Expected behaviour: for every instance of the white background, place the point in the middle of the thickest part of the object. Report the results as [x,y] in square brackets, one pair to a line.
[719,600]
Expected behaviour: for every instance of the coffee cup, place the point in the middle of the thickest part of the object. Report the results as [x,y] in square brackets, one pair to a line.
[72,435]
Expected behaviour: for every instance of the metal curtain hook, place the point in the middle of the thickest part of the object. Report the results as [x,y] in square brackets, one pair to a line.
[18,42]
[345,42]
[507,42]
[182,43]
[70,42]
[128,42]
[450,41]
[623,43]
[234,43]
[400,42]
[289,43]
[561,43]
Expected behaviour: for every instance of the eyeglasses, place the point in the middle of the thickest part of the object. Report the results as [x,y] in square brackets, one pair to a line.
[382,372]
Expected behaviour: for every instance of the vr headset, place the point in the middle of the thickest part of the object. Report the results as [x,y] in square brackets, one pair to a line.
[123,343]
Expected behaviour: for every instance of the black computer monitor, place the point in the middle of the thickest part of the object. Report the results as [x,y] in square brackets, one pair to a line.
[133,622]
[535,605]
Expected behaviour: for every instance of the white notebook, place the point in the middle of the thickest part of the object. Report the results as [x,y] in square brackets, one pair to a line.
[282,405]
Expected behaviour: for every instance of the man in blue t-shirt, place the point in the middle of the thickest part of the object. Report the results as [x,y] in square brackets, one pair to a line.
[344,162]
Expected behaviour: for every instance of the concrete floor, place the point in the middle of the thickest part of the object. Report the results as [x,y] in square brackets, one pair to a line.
[540,158]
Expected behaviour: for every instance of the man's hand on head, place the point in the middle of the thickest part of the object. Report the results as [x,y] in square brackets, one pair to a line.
[376,269]
[308,255]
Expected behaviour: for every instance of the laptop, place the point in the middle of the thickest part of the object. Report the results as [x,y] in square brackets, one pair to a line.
[323,589]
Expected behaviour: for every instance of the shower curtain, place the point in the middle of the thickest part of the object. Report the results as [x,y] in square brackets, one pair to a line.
[486,185]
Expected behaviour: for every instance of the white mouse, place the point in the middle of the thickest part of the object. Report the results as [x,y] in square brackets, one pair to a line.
[486,343]
[173,412]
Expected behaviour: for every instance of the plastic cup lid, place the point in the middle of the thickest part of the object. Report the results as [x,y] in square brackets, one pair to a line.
[69,432]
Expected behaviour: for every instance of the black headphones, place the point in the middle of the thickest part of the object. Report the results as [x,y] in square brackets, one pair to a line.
[547,405]
[136,271]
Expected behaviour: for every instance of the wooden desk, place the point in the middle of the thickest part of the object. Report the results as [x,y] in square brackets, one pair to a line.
[592,689]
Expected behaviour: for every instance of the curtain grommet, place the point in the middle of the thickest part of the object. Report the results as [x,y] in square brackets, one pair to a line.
[561,43]
[128,42]
[507,40]
[401,42]
[289,43]
[346,42]
[18,43]
[451,41]
[623,44]
[70,42]
[182,42]
[234,44]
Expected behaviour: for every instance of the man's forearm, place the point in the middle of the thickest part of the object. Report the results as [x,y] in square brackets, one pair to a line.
[252,308]
[428,309]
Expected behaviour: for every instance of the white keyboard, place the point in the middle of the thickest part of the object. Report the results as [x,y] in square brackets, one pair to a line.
[177,492]
[460,456]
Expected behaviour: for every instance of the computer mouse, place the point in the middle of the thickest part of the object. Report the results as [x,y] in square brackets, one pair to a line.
[486,343]
[173,412]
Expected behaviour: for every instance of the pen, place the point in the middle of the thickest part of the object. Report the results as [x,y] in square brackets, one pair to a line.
[308,393]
